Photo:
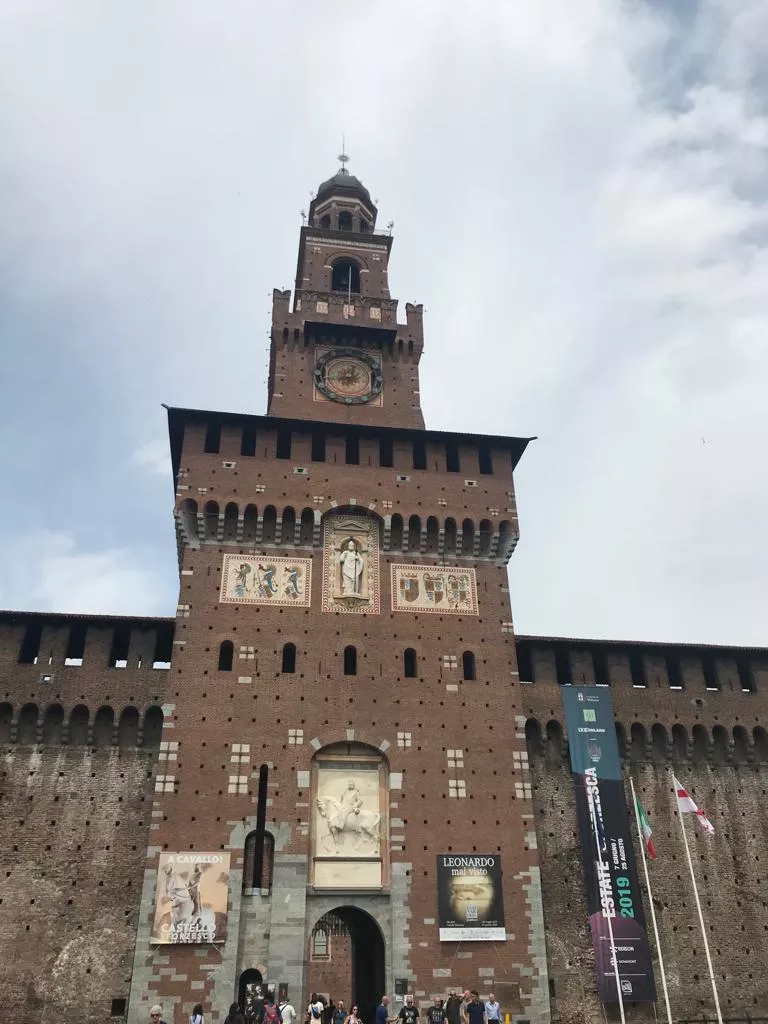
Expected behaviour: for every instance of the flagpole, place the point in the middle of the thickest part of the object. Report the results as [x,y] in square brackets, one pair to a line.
[650,902]
[698,908]
[603,910]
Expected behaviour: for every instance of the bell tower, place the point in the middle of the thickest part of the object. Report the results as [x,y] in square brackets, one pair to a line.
[339,353]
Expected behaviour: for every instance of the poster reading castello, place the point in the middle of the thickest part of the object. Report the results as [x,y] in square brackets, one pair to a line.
[470,901]
[191,899]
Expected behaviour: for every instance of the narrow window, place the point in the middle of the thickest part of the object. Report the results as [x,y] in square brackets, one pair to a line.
[452,463]
[674,673]
[320,944]
[409,663]
[709,669]
[261,821]
[283,447]
[386,459]
[563,665]
[353,450]
[226,651]
[289,658]
[318,446]
[75,645]
[30,645]
[212,436]
[248,440]
[600,665]
[345,277]
[419,454]
[485,459]
[746,676]
[468,664]
[325,221]
[637,670]
[524,663]
[350,661]
[345,221]
[118,655]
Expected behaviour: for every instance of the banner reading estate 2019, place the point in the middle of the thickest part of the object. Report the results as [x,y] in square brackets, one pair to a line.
[469,897]
[191,898]
[606,847]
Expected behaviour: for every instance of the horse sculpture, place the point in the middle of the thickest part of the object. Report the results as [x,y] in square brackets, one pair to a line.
[342,817]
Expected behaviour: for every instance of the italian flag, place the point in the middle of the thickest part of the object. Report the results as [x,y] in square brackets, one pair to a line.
[645,827]
[686,806]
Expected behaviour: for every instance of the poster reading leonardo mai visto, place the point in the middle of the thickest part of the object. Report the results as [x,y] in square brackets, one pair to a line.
[191,898]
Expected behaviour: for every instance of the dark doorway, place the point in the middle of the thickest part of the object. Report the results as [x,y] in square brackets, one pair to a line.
[250,989]
[346,960]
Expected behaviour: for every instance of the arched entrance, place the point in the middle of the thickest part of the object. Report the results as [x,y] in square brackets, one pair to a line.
[346,960]
[249,989]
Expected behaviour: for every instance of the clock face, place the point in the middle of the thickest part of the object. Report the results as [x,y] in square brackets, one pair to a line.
[353,378]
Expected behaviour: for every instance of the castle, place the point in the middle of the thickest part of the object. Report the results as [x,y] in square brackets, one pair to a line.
[261,790]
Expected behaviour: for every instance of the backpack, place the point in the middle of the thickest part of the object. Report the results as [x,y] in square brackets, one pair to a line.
[272,1014]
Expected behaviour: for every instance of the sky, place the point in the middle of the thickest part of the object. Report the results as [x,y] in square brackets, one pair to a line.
[578,193]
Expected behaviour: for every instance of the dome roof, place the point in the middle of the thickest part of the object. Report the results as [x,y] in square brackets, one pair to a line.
[344,182]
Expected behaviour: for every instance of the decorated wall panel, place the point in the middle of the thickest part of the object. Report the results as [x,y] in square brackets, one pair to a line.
[351,563]
[251,579]
[349,824]
[416,588]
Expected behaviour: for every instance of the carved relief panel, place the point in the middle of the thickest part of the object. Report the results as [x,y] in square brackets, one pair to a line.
[351,563]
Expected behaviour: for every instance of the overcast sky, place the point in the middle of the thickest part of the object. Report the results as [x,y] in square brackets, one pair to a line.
[579,198]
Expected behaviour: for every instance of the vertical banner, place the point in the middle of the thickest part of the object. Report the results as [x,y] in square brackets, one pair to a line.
[191,898]
[606,847]
[469,897]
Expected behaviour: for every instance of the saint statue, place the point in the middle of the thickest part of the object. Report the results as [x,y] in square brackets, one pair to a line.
[352,567]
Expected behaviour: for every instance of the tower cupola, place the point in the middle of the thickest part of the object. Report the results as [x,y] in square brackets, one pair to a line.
[343,203]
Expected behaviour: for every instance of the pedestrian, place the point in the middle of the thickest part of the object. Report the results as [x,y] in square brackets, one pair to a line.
[453,1008]
[271,1015]
[492,1010]
[315,1008]
[341,1013]
[196,1017]
[475,1009]
[234,1016]
[436,1014]
[156,1014]
[353,1017]
[382,1011]
[466,998]
[329,1011]
[287,1013]
[409,1013]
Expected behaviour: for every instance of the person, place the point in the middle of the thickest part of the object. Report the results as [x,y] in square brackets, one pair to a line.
[271,1015]
[329,1011]
[382,1011]
[466,998]
[341,1013]
[156,1014]
[287,1013]
[492,1010]
[453,1008]
[436,1013]
[234,1016]
[196,1017]
[353,1017]
[409,1013]
[316,1007]
[257,1005]
[475,1009]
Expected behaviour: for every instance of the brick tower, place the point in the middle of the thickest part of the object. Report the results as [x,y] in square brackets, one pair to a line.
[343,704]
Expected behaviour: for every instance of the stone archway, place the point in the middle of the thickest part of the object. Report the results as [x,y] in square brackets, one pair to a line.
[346,960]
[249,989]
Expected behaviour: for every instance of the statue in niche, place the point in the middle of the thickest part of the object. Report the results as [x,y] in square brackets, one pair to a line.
[352,565]
[347,816]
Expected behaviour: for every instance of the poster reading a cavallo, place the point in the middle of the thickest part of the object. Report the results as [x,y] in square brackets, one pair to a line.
[469,897]
[191,898]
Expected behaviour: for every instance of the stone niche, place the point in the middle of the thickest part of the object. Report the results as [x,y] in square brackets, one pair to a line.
[349,833]
[351,563]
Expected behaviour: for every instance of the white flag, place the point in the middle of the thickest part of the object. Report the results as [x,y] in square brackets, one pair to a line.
[686,806]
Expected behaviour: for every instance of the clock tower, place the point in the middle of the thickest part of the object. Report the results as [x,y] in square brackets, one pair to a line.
[338,353]
[342,802]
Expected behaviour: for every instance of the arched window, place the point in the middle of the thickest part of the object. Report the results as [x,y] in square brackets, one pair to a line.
[450,536]
[325,221]
[289,658]
[345,221]
[226,653]
[231,513]
[468,664]
[350,661]
[128,728]
[27,724]
[409,663]
[345,277]
[103,727]
[396,533]
[152,729]
[320,944]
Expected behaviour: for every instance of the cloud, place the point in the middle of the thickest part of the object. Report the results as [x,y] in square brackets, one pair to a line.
[155,457]
[579,200]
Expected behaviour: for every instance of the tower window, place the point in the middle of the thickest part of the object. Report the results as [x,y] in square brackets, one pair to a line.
[485,459]
[345,221]
[674,673]
[325,221]
[419,454]
[563,665]
[452,463]
[225,656]
[289,658]
[350,661]
[318,446]
[637,670]
[409,663]
[353,450]
[524,664]
[283,448]
[385,452]
[30,645]
[345,277]
[248,440]
[212,436]
[600,665]
[468,664]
